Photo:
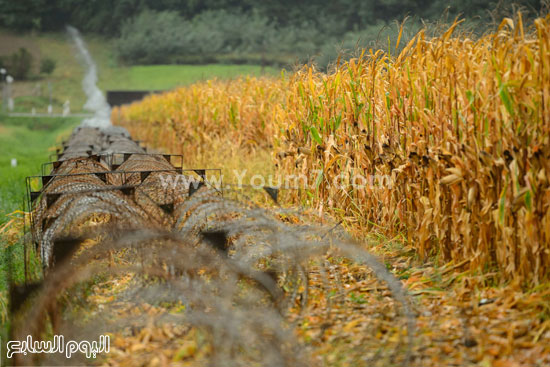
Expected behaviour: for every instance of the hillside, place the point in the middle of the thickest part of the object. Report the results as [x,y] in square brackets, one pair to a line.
[67,77]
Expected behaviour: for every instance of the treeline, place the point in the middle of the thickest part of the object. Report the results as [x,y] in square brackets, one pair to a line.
[267,31]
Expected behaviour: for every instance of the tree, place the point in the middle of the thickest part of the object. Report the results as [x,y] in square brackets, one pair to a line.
[23,14]
[18,64]
[152,37]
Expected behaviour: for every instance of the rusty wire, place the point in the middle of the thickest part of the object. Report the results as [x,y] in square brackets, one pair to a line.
[171,234]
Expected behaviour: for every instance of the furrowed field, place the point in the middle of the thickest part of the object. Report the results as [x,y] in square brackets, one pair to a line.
[461,126]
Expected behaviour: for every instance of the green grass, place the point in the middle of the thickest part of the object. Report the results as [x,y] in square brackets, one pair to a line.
[66,80]
[28,140]
[40,104]
[170,76]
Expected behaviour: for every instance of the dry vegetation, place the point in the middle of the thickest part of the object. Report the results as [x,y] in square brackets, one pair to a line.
[461,125]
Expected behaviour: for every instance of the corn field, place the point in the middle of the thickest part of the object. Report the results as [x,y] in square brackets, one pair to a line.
[461,126]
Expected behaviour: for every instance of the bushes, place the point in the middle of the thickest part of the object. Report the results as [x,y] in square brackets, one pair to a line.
[165,37]
[151,37]
[244,37]
[214,35]
[270,32]
[47,66]
[333,17]
[18,64]
[21,64]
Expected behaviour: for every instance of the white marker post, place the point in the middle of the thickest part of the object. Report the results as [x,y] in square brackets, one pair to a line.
[9,80]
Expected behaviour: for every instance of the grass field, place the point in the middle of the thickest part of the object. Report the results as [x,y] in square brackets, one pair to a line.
[171,76]
[66,79]
[27,140]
